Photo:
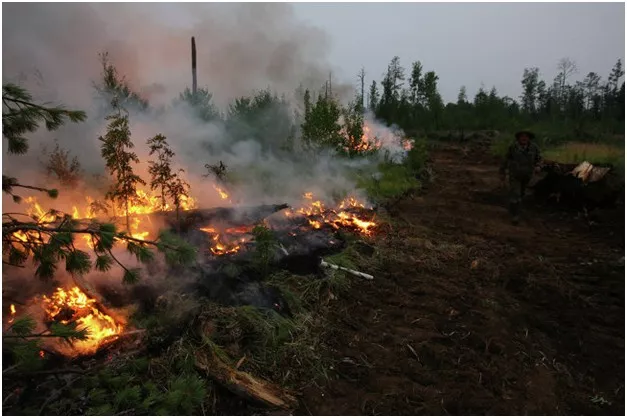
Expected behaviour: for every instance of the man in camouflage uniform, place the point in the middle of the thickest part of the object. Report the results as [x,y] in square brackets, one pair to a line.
[522,159]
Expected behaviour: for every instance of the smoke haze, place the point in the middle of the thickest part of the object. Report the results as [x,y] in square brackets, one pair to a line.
[52,49]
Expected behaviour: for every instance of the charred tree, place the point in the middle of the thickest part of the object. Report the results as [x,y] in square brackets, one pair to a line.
[194,79]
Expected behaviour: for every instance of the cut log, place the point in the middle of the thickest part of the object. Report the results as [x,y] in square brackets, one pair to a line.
[243,384]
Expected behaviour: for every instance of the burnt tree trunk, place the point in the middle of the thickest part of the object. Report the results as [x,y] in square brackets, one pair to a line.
[194,80]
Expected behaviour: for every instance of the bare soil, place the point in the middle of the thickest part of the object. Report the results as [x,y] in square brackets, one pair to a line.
[471,315]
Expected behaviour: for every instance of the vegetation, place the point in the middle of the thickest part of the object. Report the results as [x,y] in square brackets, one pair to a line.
[59,166]
[589,109]
[170,183]
[267,342]
[115,150]
[49,240]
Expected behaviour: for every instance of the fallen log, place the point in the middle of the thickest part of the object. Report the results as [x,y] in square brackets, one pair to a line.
[194,217]
[350,271]
[91,292]
[243,384]
[232,216]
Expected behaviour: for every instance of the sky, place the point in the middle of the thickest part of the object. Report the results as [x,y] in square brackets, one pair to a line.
[470,43]
[247,46]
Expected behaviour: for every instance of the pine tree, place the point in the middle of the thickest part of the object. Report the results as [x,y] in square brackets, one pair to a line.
[373,97]
[202,104]
[112,85]
[20,116]
[115,149]
[160,170]
[59,165]
[171,184]
[49,240]
[462,98]
[178,189]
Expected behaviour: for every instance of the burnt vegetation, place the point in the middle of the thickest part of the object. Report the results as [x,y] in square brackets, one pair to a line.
[236,300]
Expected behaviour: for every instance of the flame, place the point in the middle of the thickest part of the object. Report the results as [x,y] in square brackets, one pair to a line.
[74,305]
[144,203]
[42,354]
[383,138]
[223,194]
[318,215]
[221,246]
[315,224]
[35,211]
[13,312]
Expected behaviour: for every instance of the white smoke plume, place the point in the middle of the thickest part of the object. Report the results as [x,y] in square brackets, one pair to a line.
[52,49]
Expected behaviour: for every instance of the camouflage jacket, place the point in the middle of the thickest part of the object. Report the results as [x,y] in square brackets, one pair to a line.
[520,161]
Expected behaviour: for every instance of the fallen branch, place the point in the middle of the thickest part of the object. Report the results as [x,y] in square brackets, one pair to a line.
[243,384]
[350,271]
[194,217]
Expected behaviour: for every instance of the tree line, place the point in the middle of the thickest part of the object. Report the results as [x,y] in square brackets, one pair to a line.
[412,102]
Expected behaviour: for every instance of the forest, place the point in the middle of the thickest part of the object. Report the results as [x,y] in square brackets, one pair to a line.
[145,302]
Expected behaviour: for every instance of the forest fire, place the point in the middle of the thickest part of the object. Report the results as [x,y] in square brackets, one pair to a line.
[318,215]
[228,245]
[74,305]
[349,214]
[144,204]
[374,139]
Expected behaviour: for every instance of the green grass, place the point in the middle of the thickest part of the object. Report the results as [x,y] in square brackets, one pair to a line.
[568,152]
[395,180]
[576,152]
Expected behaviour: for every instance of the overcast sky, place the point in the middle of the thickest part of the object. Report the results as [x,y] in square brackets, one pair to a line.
[250,46]
[469,44]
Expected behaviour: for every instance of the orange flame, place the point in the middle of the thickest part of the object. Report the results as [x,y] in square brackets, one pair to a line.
[74,305]
[144,204]
[223,194]
[336,218]
[13,312]
[221,246]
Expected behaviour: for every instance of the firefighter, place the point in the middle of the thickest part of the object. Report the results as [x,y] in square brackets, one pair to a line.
[521,161]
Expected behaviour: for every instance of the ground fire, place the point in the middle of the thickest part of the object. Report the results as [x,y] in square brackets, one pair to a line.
[226,233]
[73,305]
[371,140]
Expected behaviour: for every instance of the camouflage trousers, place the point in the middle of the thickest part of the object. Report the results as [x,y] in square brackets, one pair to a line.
[517,188]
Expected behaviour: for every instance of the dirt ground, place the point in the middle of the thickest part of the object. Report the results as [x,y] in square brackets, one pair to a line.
[472,315]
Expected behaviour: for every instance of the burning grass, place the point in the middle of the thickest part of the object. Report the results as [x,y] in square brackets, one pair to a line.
[286,347]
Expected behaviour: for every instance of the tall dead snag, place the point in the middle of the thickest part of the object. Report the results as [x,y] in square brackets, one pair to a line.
[243,384]
[194,80]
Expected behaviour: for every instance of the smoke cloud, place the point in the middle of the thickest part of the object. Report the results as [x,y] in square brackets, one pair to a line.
[241,47]
[52,50]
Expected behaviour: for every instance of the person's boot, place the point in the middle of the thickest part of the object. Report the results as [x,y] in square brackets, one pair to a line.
[514,210]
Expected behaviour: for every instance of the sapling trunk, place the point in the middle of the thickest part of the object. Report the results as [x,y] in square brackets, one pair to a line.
[128,219]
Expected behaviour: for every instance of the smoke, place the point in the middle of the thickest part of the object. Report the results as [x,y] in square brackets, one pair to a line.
[240,47]
[52,50]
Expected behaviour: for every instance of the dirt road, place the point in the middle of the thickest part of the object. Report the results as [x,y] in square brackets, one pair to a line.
[471,315]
